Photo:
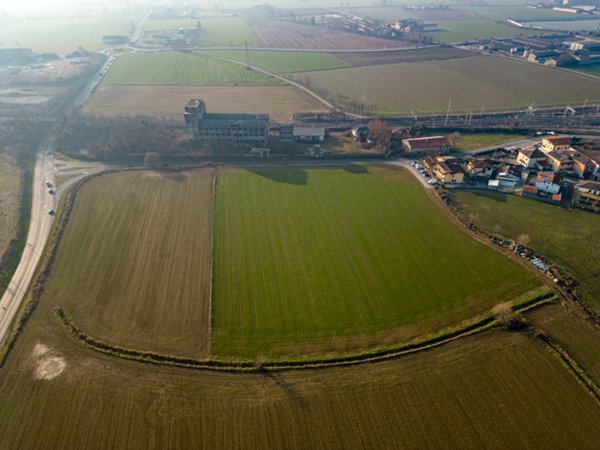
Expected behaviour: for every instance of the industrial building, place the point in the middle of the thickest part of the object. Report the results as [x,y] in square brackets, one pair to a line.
[239,129]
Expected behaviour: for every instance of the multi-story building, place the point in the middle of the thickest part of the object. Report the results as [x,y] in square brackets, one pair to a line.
[238,129]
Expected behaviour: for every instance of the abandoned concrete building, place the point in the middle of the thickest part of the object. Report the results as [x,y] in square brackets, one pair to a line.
[239,129]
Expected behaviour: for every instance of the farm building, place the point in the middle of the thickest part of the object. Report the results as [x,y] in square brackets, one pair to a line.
[431,144]
[241,129]
[309,134]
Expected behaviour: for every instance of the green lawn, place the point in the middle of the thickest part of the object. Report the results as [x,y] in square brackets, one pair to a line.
[307,258]
[64,35]
[471,83]
[226,32]
[281,61]
[181,69]
[570,238]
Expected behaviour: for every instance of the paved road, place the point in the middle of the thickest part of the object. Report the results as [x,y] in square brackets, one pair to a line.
[406,164]
[39,230]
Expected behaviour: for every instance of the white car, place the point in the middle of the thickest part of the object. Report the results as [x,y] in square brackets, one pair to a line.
[432,182]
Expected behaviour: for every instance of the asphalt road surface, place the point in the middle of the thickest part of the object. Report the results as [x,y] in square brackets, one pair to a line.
[39,229]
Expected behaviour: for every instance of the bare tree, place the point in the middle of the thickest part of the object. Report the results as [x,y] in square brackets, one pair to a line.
[454,137]
[507,318]
[381,132]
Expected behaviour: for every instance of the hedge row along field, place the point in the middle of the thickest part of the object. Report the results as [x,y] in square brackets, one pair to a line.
[181,69]
[329,260]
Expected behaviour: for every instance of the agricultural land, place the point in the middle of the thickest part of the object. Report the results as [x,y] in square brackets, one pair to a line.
[470,83]
[592,69]
[127,286]
[10,188]
[567,237]
[470,142]
[281,102]
[64,35]
[278,61]
[386,261]
[181,69]
[287,35]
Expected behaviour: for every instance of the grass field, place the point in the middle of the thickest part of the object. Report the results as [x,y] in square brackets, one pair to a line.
[515,12]
[281,61]
[226,32]
[64,35]
[181,69]
[489,391]
[143,278]
[374,58]
[305,260]
[281,102]
[426,87]
[168,24]
[10,183]
[463,30]
[592,69]
[469,142]
[570,238]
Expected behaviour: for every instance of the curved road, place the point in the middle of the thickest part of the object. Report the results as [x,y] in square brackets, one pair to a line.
[39,229]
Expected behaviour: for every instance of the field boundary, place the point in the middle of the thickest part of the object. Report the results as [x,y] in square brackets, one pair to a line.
[212,262]
[565,290]
[445,337]
[44,269]
[570,363]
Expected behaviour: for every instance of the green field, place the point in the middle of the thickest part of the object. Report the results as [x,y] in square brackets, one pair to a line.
[306,260]
[592,69]
[463,30]
[64,35]
[471,83]
[138,232]
[570,238]
[281,61]
[515,12]
[226,32]
[470,142]
[168,24]
[181,69]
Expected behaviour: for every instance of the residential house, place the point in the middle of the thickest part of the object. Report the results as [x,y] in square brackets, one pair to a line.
[482,168]
[448,173]
[548,182]
[530,157]
[589,191]
[560,161]
[309,134]
[431,144]
[555,143]
[584,166]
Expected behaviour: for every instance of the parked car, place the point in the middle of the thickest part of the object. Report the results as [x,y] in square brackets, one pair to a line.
[51,212]
[432,182]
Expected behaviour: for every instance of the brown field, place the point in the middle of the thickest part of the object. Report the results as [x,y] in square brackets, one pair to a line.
[281,34]
[579,338]
[10,182]
[355,59]
[281,102]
